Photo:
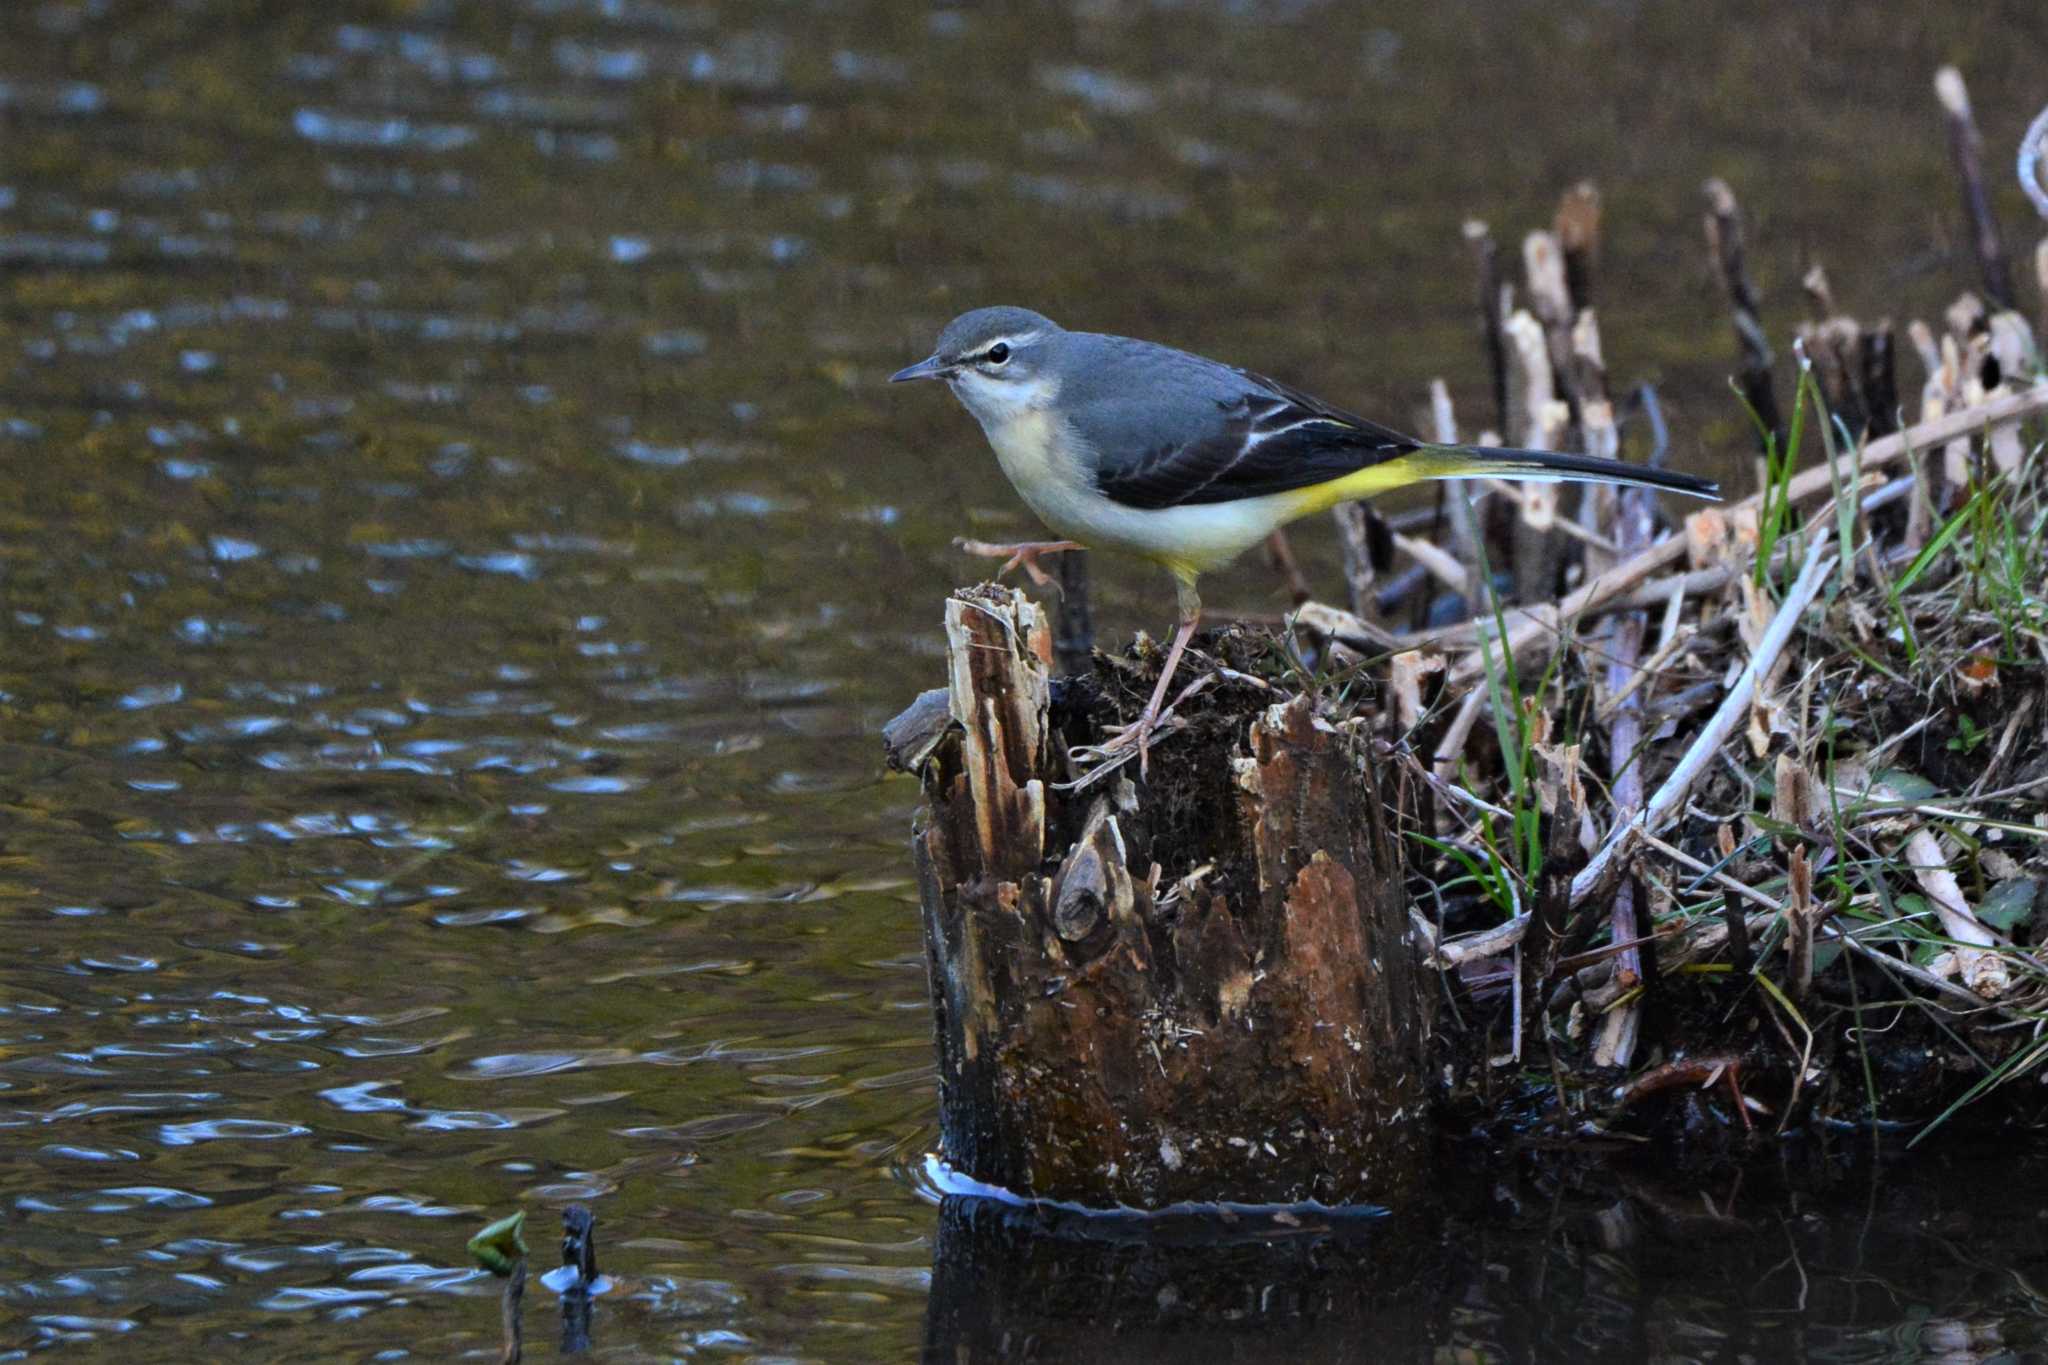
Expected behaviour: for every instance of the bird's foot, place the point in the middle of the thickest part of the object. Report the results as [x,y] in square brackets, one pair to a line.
[1128,740]
[1023,554]
[1131,741]
[1118,748]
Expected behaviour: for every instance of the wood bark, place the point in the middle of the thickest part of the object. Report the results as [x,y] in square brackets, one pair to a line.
[1196,990]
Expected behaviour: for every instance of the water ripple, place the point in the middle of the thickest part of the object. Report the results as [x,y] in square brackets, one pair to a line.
[306,1298]
[333,129]
[510,1064]
[121,1199]
[228,1130]
[73,99]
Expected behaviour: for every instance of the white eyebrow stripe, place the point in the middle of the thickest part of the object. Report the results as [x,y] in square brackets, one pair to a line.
[1010,340]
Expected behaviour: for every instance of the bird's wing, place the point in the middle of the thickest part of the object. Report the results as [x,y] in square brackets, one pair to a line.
[1264,437]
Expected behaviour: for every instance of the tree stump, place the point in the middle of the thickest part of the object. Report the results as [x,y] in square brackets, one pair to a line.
[1140,1006]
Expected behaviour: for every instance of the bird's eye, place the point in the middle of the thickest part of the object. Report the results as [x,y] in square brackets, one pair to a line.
[998,353]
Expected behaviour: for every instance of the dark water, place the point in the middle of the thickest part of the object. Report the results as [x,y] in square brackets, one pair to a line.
[457,552]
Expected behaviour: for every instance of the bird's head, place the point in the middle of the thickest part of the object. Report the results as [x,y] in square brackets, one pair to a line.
[997,360]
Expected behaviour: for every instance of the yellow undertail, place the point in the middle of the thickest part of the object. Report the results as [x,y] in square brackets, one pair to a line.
[1437,462]
[1373,480]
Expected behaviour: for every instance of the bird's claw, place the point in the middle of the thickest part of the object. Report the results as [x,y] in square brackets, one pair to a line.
[1136,738]
[1031,571]
[1120,747]
[1119,742]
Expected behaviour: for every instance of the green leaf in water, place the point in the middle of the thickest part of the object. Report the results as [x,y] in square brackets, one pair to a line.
[499,1245]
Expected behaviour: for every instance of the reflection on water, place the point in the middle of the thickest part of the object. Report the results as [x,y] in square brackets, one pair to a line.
[1825,1262]
[459,552]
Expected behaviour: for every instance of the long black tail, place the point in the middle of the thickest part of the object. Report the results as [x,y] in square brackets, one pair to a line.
[1466,462]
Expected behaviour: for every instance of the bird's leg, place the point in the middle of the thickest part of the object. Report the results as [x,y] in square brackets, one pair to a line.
[1138,734]
[1149,721]
[1023,553]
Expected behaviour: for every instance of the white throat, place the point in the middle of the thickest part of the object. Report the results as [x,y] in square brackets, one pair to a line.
[999,402]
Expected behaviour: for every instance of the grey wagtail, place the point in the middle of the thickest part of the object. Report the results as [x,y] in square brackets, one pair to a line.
[1187,462]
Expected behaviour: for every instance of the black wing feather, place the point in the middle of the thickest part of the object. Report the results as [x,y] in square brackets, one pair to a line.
[1271,439]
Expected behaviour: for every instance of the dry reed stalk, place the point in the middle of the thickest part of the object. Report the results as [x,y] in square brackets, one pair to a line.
[1455,495]
[1715,733]
[1729,261]
[1983,971]
[1577,226]
[1623,842]
[1494,305]
[1537,421]
[1280,559]
[1965,146]
[1634,523]
[1527,626]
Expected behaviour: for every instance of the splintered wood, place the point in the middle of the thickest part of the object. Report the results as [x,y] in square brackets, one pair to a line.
[1124,1017]
[997,658]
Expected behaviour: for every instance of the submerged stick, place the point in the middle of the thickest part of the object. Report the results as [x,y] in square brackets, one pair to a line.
[514,1347]
[579,1255]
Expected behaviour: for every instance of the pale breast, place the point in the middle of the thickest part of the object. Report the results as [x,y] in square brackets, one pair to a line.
[1031,448]
[1036,452]
[1054,473]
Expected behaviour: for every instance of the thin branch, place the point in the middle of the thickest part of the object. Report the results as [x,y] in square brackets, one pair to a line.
[1280,558]
[1073,630]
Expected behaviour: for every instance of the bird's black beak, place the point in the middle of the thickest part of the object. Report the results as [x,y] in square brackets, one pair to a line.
[934,368]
